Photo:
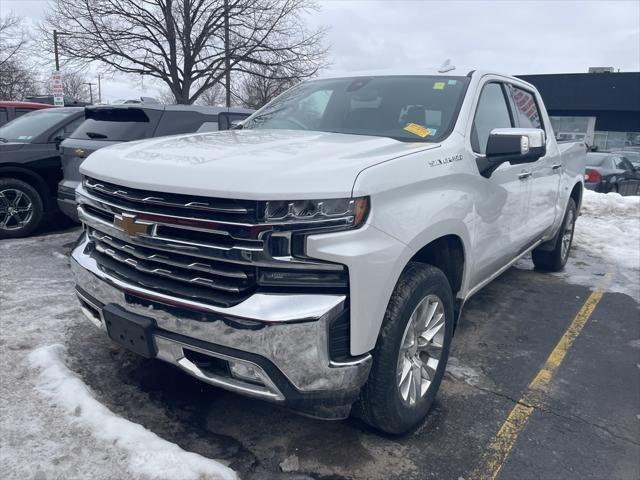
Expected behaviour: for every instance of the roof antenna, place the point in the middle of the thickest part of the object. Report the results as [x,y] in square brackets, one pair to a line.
[446,66]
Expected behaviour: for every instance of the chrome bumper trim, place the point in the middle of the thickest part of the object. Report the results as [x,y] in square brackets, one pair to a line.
[172,351]
[292,333]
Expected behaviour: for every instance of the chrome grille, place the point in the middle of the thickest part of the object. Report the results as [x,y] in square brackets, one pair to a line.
[207,250]
[173,201]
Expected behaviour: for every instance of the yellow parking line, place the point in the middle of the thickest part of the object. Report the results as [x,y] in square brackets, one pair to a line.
[500,447]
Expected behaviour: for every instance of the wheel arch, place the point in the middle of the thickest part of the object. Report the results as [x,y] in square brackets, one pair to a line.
[448,254]
[576,194]
[32,178]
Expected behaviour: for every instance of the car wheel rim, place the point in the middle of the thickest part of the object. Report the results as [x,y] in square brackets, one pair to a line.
[567,235]
[16,209]
[420,349]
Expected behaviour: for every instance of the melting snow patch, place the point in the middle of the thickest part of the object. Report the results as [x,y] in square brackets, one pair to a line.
[462,372]
[609,229]
[149,455]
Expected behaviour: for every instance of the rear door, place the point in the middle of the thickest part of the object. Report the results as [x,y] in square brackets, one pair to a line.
[545,172]
[500,231]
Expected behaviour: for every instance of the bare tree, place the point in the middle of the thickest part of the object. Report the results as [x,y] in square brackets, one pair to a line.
[13,38]
[17,81]
[213,96]
[256,90]
[74,85]
[182,42]
[17,74]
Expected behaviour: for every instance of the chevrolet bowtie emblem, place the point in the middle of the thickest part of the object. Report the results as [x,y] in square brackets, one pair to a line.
[128,224]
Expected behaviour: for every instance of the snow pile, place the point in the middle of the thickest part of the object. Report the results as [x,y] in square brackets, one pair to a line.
[608,231]
[149,455]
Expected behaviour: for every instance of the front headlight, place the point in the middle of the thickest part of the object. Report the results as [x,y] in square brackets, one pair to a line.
[350,211]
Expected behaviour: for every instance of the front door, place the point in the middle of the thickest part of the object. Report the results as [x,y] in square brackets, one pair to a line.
[500,230]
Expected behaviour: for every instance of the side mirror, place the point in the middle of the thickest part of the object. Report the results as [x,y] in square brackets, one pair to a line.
[515,145]
[59,138]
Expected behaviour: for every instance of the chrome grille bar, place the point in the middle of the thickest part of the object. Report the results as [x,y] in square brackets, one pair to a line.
[171,201]
[148,267]
[181,261]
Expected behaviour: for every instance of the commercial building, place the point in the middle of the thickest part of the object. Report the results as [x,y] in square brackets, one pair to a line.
[603,108]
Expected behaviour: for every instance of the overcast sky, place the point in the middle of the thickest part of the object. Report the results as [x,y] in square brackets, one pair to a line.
[517,36]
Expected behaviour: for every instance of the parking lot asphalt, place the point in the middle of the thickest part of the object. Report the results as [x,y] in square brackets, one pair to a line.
[587,427]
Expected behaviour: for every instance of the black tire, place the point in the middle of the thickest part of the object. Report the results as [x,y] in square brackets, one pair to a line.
[555,260]
[380,403]
[10,227]
[614,188]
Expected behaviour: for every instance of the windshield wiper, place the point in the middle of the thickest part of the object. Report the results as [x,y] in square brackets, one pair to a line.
[95,135]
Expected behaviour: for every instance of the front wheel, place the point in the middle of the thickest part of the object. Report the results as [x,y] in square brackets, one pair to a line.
[555,260]
[20,208]
[411,354]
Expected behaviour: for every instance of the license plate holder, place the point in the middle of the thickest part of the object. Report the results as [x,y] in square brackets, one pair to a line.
[134,332]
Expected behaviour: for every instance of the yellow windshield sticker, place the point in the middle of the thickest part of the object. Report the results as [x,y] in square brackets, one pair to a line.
[418,130]
[438,86]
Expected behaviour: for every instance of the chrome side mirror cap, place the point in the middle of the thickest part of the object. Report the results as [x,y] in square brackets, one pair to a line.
[516,145]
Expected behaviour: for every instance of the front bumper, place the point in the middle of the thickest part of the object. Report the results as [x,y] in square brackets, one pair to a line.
[282,338]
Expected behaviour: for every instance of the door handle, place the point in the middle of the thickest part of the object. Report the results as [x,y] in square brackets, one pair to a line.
[556,166]
[524,175]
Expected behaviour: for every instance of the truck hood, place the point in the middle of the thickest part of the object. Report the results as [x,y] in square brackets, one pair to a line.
[247,164]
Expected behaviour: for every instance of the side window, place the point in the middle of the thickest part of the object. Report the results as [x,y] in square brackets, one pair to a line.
[22,111]
[625,164]
[67,130]
[71,126]
[629,165]
[177,122]
[4,116]
[526,108]
[208,127]
[491,112]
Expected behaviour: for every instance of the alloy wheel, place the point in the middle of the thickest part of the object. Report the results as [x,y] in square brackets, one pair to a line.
[16,209]
[420,349]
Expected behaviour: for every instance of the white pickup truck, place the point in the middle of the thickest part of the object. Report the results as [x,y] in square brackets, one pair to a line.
[320,256]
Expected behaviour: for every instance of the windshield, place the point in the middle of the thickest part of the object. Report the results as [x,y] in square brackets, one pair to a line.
[406,108]
[32,124]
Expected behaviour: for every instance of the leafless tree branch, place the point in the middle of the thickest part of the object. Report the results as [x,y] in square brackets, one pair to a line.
[181,42]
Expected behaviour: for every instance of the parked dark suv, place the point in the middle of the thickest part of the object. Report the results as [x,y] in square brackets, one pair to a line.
[110,124]
[30,167]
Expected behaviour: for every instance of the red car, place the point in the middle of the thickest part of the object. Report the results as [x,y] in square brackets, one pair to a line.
[11,110]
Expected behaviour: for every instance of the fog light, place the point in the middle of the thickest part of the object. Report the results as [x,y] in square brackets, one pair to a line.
[245,371]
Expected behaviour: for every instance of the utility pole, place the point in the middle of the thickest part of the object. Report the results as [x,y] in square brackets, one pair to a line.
[227,60]
[55,49]
[99,91]
[56,34]
[90,90]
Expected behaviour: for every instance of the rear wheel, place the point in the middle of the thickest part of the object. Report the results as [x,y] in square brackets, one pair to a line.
[555,260]
[412,351]
[20,208]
